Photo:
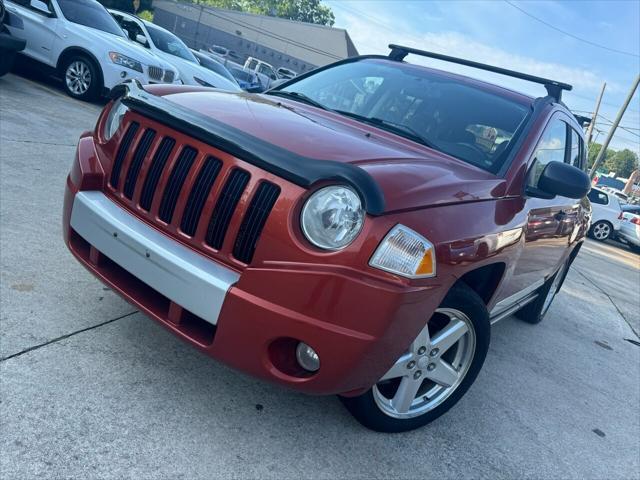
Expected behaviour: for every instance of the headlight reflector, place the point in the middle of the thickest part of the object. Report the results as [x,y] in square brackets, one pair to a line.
[406,253]
[125,61]
[114,119]
[332,217]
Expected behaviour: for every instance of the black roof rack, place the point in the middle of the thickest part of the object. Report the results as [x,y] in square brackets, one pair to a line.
[554,88]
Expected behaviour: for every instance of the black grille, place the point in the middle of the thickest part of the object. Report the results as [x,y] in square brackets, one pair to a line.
[199,193]
[174,185]
[168,76]
[136,163]
[254,221]
[123,149]
[155,73]
[223,211]
[155,171]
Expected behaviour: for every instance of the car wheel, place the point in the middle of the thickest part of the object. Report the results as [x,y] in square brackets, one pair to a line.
[434,373]
[81,78]
[601,230]
[535,311]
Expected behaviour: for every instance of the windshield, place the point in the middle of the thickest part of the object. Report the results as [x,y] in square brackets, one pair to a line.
[446,114]
[169,43]
[214,66]
[242,75]
[90,14]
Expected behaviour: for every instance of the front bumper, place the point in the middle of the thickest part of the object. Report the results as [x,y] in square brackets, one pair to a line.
[252,319]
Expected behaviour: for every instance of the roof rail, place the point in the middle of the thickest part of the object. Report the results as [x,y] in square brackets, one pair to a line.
[554,88]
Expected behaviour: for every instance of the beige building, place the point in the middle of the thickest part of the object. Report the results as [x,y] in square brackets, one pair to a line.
[282,43]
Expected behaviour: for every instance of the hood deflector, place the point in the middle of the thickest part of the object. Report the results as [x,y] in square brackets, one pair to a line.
[300,170]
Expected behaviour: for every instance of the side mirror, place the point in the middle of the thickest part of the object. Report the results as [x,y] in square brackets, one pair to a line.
[141,39]
[41,7]
[562,179]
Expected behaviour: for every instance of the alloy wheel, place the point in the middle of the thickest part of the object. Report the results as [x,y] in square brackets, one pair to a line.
[78,77]
[601,231]
[431,370]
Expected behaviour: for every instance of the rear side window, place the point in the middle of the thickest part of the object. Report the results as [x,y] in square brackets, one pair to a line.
[596,196]
[552,147]
[576,156]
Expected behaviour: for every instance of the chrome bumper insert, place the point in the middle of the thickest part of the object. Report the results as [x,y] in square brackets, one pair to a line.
[185,277]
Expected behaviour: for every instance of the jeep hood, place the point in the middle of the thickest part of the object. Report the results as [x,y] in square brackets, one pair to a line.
[410,175]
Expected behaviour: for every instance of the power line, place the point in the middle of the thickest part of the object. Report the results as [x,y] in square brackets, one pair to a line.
[584,40]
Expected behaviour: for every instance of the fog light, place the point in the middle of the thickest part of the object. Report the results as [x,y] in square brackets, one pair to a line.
[307,357]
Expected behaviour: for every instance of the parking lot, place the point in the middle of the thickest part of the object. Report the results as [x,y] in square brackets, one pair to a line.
[92,389]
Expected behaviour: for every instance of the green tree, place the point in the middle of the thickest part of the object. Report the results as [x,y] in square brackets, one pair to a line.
[594,150]
[623,163]
[310,11]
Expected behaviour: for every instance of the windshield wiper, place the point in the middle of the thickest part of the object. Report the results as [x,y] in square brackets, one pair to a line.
[301,97]
[398,128]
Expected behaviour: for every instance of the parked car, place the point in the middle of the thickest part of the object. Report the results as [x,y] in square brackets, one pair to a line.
[223,52]
[354,232]
[285,73]
[630,226]
[214,65]
[85,46]
[265,72]
[9,45]
[167,46]
[247,79]
[605,220]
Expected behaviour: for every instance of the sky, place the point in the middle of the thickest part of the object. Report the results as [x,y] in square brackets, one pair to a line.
[499,32]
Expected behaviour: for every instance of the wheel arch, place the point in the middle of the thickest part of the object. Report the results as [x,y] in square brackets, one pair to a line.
[70,51]
[484,280]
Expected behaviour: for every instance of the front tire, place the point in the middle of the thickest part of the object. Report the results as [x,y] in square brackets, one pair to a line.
[81,78]
[601,230]
[436,371]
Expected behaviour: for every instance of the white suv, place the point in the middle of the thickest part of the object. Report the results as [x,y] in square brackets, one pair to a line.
[167,46]
[84,44]
[605,214]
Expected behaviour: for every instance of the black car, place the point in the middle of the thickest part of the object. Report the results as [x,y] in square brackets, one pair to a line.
[9,45]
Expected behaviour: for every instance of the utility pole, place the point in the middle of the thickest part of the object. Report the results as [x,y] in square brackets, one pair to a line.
[595,114]
[605,145]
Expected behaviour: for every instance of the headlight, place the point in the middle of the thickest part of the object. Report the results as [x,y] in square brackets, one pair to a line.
[332,217]
[114,119]
[405,252]
[125,61]
[203,83]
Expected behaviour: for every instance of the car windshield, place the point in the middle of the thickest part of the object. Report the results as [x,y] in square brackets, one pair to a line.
[444,113]
[169,43]
[90,14]
[242,75]
[214,66]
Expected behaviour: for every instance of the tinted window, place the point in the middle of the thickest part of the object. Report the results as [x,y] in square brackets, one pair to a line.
[242,75]
[448,114]
[596,196]
[631,209]
[551,148]
[131,28]
[169,43]
[575,157]
[90,14]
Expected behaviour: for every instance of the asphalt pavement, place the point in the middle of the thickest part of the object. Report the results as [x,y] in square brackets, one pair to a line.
[90,388]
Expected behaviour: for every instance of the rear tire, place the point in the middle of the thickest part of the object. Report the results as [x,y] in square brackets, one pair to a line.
[438,377]
[81,77]
[601,230]
[535,311]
